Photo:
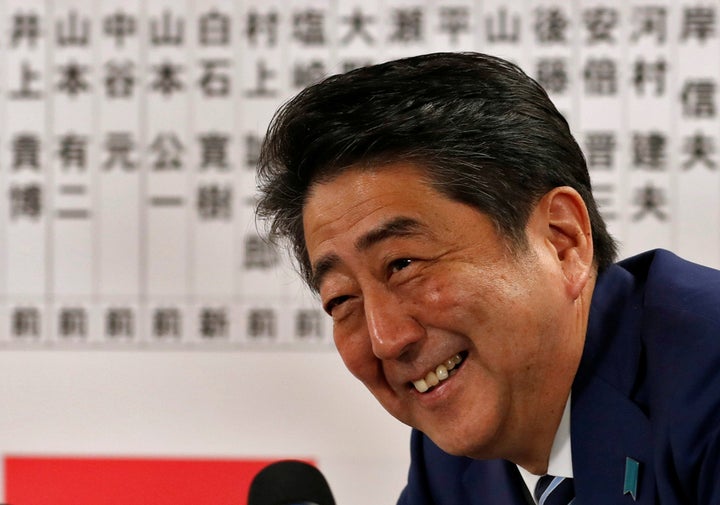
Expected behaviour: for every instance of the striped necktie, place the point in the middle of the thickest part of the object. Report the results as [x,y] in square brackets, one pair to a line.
[551,490]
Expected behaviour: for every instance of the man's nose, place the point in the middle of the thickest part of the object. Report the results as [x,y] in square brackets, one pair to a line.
[392,328]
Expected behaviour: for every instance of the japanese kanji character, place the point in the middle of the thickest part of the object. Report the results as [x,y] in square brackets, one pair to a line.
[308,27]
[551,24]
[168,150]
[119,146]
[74,31]
[25,27]
[26,201]
[259,254]
[25,322]
[700,148]
[119,79]
[600,23]
[26,151]
[261,323]
[214,323]
[259,23]
[407,25]
[215,80]
[119,26]
[308,323]
[698,98]
[165,32]
[600,149]
[27,76]
[644,71]
[166,322]
[454,21]
[357,22]
[214,201]
[552,74]
[213,151]
[503,27]
[650,199]
[264,75]
[214,28]
[649,150]
[604,194]
[72,78]
[649,20]
[73,151]
[75,213]
[600,76]
[167,78]
[72,322]
[698,23]
[119,322]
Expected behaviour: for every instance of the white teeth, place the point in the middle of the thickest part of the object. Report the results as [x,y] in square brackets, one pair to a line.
[421,385]
[441,373]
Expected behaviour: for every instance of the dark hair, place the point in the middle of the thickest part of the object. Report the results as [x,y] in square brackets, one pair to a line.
[486,134]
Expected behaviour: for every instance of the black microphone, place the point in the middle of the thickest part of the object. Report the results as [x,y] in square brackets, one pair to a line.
[290,482]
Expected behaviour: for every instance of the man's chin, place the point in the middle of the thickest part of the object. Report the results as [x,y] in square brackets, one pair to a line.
[475,445]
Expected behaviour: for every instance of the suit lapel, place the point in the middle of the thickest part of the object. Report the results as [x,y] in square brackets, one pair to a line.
[606,430]
[607,427]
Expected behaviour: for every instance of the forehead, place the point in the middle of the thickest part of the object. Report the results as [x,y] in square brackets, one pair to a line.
[360,197]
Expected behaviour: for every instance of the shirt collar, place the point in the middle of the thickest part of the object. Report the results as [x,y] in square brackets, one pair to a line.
[560,462]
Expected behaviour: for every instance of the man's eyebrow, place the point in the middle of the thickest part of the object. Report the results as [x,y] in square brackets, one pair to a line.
[321,268]
[397,227]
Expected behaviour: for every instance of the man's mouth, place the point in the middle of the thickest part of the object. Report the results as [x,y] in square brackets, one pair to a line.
[444,370]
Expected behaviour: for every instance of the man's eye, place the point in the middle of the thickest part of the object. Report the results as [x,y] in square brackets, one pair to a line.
[333,303]
[399,264]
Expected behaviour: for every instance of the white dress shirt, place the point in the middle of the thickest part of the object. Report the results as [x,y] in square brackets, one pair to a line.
[560,463]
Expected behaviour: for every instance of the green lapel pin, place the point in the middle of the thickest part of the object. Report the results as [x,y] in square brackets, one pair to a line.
[632,472]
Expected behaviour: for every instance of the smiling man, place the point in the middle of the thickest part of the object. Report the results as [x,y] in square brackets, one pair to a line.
[443,212]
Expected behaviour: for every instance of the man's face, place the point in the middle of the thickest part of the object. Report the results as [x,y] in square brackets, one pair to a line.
[422,290]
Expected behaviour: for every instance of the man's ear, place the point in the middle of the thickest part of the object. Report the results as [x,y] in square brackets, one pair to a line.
[564,221]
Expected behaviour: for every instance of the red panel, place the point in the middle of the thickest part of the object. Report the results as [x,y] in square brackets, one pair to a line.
[128,481]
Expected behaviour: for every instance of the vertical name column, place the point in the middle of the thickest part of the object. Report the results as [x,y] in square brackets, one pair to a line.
[601,118]
[649,219]
[168,196]
[312,39]
[261,277]
[73,130]
[217,210]
[24,160]
[697,236]
[119,206]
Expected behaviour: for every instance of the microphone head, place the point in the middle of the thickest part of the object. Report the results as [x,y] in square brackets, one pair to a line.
[290,482]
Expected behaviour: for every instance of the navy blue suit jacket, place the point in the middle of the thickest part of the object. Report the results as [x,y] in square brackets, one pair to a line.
[648,388]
